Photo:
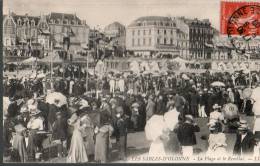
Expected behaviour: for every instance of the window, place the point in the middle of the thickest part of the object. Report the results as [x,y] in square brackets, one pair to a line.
[33,23]
[133,32]
[171,32]
[150,41]
[165,41]
[150,31]
[19,22]
[138,32]
[144,32]
[165,32]
[171,41]
[158,41]
[144,42]
[138,42]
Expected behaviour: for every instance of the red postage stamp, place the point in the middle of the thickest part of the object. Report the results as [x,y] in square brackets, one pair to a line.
[240,18]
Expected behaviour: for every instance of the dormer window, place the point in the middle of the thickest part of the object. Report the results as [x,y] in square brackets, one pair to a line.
[19,22]
[33,23]
[59,21]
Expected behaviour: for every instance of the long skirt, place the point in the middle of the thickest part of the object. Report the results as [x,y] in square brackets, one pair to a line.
[34,144]
[187,150]
[157,148]
[77,152]
[102,147]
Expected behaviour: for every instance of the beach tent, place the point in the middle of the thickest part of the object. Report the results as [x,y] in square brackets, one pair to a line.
[134,66]
[144,66]
[54,57]
[154,66]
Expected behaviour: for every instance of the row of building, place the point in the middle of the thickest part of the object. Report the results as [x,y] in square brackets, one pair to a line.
[150,36]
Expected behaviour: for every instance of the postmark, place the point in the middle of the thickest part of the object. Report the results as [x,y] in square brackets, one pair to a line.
[242,24]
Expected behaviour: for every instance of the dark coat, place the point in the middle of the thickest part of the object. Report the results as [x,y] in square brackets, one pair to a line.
[60,129]
[186,134]
[13,109]
[245,146]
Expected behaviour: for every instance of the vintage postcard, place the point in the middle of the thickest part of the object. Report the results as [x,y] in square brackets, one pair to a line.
[131,81]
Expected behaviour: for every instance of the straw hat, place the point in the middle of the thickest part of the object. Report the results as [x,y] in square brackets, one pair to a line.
[24,109]
[35,112]
[72,119]
[83,104]
[189,118]
[243,125]
[216,106]
[135,105]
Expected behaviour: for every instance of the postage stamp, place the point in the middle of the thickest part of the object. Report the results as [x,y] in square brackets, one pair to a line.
[240,21]
[240,18]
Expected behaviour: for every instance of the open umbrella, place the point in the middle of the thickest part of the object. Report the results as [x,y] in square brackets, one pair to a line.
[171,118]
[185,77]
[218,84]
[154,127]
[56,98]
[41,75]
[247,93]
[230,111]
[256,94]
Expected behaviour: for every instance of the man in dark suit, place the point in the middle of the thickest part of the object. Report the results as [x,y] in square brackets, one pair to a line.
[186,135]
[245,141]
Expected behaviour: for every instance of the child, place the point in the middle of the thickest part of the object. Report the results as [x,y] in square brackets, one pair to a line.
[19,153]
[121,126]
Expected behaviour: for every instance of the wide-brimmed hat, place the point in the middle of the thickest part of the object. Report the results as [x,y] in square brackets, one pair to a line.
[243,125]
[24,109]
[113,101]
[83,104]
[19,128]
[72,119]
[135,105]
[212,124]
[35,112]
[216,106]
[189,118]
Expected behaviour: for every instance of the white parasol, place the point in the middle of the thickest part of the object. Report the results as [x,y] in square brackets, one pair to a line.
[230,111]
[6,103]
[256,108]
[247,93]
[171,118]
[185,77]
[41,75]
[256,94]
[218,84]
[56,96]
[154,127]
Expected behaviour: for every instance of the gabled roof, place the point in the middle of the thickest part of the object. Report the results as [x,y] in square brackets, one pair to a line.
[24,17]
[62,16]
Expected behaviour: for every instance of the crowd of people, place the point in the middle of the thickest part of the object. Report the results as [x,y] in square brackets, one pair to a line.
[82,123]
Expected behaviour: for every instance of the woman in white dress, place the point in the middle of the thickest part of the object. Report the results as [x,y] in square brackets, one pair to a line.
[158,137]
[216,140]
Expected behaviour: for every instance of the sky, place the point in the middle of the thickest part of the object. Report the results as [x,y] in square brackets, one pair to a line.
[99,13]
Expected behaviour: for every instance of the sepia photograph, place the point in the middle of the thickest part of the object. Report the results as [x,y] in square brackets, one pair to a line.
[131,81]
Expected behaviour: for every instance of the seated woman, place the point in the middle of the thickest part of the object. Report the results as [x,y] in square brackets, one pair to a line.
[35,125]
[216,140]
